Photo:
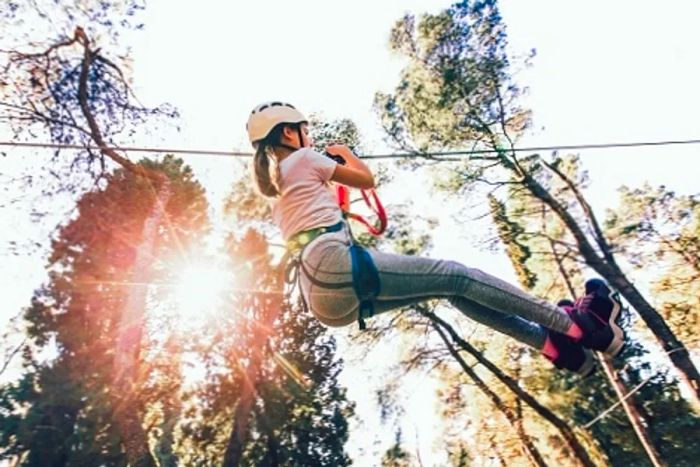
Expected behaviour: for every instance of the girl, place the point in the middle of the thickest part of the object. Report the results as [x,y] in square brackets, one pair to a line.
[310,219]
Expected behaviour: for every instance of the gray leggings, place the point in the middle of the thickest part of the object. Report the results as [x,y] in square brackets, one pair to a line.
[406,280]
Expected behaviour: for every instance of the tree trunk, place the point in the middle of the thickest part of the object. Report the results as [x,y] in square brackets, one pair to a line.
[528,447]
[611,272]
[675,349]
[272,456]
[518,413]
[240,432]
[633,414]
[165,447]
[579,452]
[127,354]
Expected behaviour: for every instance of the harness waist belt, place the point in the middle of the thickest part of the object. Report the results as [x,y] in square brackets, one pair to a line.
[299,240]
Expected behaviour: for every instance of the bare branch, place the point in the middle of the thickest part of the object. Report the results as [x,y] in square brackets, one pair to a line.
[12,355]
[95,132]
[599,236]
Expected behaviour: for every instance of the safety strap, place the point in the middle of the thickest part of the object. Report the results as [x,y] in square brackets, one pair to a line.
[291,262]
[298,241]
[365,276]
[373,202]
[365,281]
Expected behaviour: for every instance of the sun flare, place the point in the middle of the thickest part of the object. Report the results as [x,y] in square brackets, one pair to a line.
[199,289]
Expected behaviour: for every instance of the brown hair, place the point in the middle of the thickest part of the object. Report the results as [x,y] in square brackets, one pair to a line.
[265,155]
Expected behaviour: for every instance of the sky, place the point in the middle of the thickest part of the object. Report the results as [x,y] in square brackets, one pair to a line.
[604,71]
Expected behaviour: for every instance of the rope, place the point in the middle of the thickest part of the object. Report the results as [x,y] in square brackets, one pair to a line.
[633,390]
[208,152]
[618,403]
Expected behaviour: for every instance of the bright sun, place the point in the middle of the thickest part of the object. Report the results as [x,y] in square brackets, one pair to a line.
[199,289]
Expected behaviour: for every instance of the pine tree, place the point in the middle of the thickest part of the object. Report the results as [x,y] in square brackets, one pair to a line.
[457,91]
[62,412]
[655,226]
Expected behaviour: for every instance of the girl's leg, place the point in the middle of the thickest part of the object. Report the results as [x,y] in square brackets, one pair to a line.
[516,327]
[405,277]
[410,279]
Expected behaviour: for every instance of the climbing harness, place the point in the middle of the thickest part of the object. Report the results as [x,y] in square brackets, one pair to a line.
[365,276]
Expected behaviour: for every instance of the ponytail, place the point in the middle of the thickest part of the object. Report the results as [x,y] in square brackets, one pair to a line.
[261,170]
[268,184]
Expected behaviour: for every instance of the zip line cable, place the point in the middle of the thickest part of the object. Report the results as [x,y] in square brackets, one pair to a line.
[206,152]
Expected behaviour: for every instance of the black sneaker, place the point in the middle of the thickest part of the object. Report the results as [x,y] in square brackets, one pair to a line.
[572,355]
[598,316]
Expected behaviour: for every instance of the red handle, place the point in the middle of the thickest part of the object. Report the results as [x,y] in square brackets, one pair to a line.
[373,202]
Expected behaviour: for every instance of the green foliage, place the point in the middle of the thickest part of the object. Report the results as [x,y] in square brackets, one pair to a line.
[456,87]
[655,226]
[60,412]
[508,232]
[396,455]
[326,132]
[308,410]
[245,206]
[658,400]
[29,20]
[299,415]
[534,237]
[456,91]
[43,59]
[670,422]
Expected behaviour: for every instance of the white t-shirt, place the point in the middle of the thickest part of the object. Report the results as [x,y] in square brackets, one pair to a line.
[307,199]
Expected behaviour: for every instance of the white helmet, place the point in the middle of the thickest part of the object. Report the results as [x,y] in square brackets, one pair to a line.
[266,116]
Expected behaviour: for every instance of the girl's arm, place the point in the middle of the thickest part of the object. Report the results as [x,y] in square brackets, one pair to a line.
[355,173]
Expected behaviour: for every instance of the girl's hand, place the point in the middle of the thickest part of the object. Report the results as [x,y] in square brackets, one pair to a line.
[355,174]
[340,150]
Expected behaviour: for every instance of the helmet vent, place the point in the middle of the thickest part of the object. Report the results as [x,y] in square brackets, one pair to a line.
[273,104]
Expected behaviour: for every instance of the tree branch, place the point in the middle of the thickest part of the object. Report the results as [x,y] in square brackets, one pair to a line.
[588,211]
[95,132]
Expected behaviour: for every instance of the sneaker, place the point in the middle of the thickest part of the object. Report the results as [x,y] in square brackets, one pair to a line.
[598,315]
[571,354]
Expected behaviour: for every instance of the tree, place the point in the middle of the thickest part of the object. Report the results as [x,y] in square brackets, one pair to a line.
[655,226]
[66,410]
[396,455]
[70,87]
[525,224]
[274,397]
[457,91]
[79,96]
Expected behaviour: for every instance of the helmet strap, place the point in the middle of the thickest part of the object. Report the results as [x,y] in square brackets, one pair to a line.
[301,140]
